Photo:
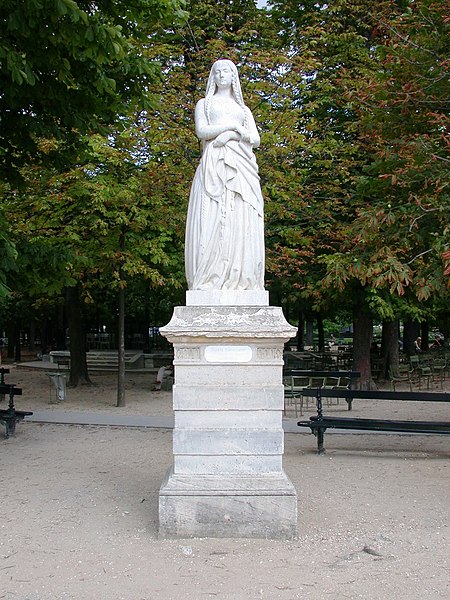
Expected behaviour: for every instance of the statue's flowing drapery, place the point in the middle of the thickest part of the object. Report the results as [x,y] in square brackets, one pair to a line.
[225,223]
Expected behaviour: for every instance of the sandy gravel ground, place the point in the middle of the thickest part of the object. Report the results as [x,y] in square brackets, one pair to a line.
[79,511]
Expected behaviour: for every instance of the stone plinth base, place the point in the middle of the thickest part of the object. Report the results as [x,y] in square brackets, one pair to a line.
[263,506]
[228,440]
[227,298]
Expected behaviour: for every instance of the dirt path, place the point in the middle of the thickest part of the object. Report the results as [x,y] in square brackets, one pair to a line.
[79,514]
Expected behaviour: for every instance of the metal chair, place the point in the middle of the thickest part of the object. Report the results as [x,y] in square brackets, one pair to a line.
[439,366]
[404,375]
[293,387]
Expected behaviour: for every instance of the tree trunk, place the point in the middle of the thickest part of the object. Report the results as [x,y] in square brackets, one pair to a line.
[301,332]
[121,329]
[11,333]
[425,334]
[45,336]
[78,363]
[17,346]
[411,331]
[309,337]
[321,333]
[32,338]
[389,349]
[60,332]
[362,335]
[121,347]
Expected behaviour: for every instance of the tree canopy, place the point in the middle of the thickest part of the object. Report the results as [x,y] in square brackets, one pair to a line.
[67,67]
[351,101]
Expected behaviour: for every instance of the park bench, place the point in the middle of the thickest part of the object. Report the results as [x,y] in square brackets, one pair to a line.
[10,416]
[320,423]
[102,360]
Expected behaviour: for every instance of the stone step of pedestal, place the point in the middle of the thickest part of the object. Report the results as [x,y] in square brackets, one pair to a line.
[215,441]
[228,419]
[237,464]
[248,396]
[203,485]
[229,374]
[261,506]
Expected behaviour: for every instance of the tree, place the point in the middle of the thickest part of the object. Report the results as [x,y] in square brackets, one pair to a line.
[333,55]
[405,224]
[8,255]
[397,244]
[355,247]
[68,67]
[116,229]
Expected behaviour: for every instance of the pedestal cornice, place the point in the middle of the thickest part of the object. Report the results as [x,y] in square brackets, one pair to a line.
[228,322]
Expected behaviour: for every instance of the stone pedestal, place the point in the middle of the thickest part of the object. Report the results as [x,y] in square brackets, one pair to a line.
[227,478]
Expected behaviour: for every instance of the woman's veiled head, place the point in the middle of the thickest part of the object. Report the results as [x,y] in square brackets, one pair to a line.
[235,83]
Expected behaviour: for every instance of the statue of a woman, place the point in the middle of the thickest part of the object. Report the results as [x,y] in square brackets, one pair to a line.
[225,221]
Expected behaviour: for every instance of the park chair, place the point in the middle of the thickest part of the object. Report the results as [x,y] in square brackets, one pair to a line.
[404,375]
[331,383]
[426,370]
[314,383]
[376,366]
[343,384]
[293,387]
[421,368]
[439,366]
[414,361]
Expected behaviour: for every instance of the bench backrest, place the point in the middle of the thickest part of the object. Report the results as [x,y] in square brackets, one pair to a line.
[377,395]
[10,389]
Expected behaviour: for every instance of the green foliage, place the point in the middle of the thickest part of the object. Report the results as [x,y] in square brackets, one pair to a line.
[330,56]
[8,255]
[402,228]
[370,190]
[68,67]
[100,209]
[351,101]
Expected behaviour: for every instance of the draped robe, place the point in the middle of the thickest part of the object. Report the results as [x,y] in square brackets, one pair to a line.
[225,221]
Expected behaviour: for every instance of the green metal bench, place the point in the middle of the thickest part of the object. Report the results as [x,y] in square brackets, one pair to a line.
[320,423]
[10,416]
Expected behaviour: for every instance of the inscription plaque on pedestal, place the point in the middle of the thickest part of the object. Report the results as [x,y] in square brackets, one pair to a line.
[228,354]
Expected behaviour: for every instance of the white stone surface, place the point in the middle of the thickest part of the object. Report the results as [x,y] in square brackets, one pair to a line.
[247,397]
[227,298]
[228,419]
[224,247]
[213,442]
[196,322]
[228,439]
[227,464]
[236,374]
[228,506]
[228,354]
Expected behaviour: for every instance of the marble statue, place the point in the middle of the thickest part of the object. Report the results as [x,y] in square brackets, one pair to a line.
[225,221]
